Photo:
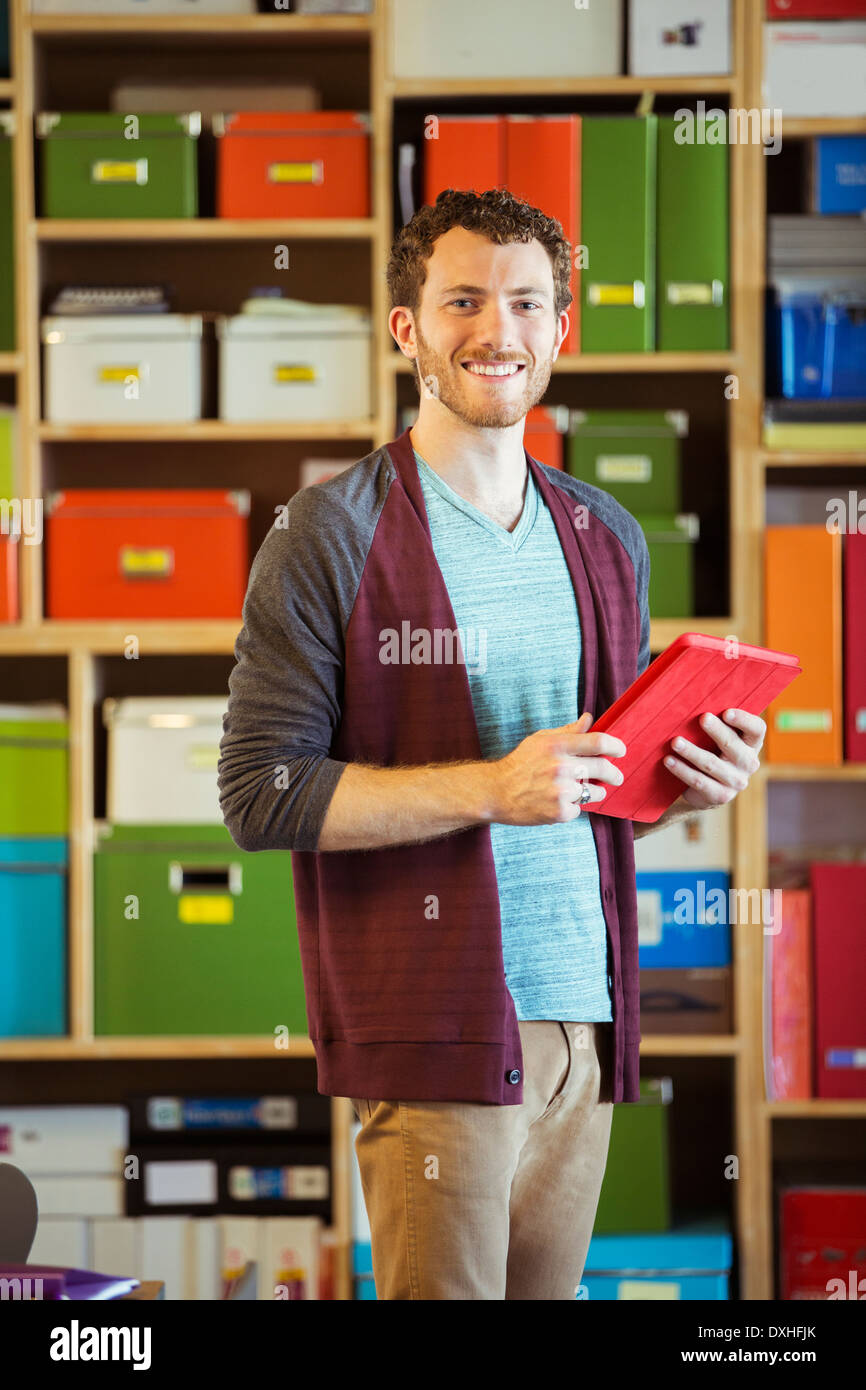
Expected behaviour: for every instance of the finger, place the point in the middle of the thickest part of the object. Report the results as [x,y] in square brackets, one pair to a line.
[594,769]
[715,792]
[601,744]
[740,753]
[719,768]
[753,726]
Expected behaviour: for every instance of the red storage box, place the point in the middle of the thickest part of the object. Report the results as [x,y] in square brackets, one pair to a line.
[293,164]
[146,553]
[542,433]
[822,1242]
[9,578]
[839,935]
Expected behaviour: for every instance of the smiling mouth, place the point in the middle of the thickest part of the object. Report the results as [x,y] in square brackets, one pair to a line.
[494,371]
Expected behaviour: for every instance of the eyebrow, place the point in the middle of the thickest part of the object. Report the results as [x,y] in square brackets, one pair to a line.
[479,289]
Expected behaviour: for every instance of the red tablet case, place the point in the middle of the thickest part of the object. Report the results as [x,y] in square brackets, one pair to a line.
[695,675]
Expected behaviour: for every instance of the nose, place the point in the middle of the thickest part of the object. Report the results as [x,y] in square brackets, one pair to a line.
[495,328]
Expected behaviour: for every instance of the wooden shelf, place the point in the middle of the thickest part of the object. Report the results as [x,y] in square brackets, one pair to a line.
[804,127]
[790,459]
[55,636]
[212,430]
[59,1049]
[202,229]
[690,1045]
[617,362]
[815,772]
[622,85]
[815,1109]
[10,362]
[230,27]
[7,89]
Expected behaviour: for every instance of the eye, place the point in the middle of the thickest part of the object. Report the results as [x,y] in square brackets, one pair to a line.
[532,304]
[461,301]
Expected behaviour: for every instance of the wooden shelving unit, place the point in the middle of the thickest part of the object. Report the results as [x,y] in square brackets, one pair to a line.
[217,40]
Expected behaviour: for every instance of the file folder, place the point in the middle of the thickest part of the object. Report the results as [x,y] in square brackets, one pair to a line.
[692,244]
[854,625]
[618,218]
[465,152]
[839,904]
[803,608]
[542,166]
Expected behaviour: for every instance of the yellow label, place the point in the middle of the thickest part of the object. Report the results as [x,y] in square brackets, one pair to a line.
[198,908]
[300,171]
[120,171]
[685,293]
[119,373]
[611,294]
[139,561]
[623,468]
[288,371]
[646,1289]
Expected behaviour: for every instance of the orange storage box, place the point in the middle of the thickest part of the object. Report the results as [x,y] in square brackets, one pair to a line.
[9,577]
[293,164]
[146,553]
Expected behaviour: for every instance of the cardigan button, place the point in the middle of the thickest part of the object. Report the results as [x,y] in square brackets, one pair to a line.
[514,1077]
[608,894]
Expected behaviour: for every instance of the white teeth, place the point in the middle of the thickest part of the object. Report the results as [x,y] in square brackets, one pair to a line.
[503,369]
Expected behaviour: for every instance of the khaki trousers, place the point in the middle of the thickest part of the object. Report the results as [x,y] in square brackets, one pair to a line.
[476,1201]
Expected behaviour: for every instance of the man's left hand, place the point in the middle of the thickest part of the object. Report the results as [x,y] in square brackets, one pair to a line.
[713,779]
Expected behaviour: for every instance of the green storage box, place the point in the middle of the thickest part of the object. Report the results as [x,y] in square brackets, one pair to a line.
[671,539]
[34,743]
[7,236]
[8,452]
[91,168]
[193,935]
[635,1193]
[632,454]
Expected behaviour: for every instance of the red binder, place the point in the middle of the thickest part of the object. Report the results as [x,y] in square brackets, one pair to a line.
[695,675]
[465,152]
[854,628]
[839,923]
[542,166]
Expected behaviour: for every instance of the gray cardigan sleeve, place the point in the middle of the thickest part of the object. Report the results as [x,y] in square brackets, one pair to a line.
[274,775]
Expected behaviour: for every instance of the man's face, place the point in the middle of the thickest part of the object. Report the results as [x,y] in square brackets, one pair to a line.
[483,304]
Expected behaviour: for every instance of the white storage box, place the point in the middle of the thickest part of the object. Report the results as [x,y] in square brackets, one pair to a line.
[701,841]
[667,38]
[505,38]
[127,369]
[815,69]
[313,366]
[162,759]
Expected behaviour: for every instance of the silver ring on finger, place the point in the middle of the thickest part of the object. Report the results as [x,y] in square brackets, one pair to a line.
[585,794]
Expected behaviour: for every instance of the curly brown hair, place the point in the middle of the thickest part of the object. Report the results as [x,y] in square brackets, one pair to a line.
[496,214]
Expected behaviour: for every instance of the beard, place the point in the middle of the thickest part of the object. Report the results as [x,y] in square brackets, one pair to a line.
[443,379]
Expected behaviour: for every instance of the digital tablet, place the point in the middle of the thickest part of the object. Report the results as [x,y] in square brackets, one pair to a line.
[695,675]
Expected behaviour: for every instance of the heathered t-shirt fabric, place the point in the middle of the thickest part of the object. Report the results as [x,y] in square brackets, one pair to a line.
[515,610]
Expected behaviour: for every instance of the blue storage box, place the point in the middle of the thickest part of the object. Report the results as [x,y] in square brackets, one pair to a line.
[821,333]
[691,1262]
[32,937]
[682,919]
[839,184]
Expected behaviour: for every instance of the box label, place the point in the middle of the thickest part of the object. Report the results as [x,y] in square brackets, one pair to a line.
[202,909]
[623,468]
[804,721]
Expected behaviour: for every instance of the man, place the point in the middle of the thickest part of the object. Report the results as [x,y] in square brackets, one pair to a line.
[468,935]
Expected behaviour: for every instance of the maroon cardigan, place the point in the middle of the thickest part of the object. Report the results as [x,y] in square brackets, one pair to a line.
[401,947]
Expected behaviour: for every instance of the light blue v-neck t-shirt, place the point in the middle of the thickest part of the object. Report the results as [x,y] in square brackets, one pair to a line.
[516,613]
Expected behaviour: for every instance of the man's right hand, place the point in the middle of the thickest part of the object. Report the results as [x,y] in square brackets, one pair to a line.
[538,782]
